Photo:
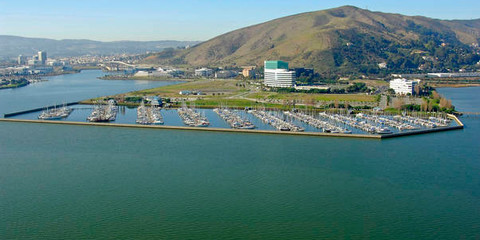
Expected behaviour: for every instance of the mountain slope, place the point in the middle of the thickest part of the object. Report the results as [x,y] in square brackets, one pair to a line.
[12,46]
[332,40]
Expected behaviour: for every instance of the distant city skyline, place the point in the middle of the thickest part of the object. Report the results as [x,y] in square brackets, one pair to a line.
[106,20]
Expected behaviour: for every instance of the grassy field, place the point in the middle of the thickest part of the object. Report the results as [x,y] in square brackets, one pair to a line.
[231,93]
[372,83]
[232,103]
[315,97]
[207,86]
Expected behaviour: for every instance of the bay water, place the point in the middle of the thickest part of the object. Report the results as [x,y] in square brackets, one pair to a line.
[85,182]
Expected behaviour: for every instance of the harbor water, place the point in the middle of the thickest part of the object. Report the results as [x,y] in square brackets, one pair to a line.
[128,115]
[84,182]
[68,88]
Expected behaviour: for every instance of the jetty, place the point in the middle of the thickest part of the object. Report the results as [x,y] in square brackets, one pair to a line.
[9,115]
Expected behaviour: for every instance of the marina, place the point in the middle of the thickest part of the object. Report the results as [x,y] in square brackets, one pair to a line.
[257,121]
[276,121]
[104,113]
[234,119]
[192,118]
[55,113]
[149,115]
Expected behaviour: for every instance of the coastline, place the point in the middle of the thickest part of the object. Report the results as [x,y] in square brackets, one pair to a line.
[127,78]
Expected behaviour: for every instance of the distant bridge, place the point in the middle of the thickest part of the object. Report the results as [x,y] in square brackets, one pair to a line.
[117,65]
[122,63]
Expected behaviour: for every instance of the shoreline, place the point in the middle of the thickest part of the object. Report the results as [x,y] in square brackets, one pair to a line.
[126,78]
[457,86]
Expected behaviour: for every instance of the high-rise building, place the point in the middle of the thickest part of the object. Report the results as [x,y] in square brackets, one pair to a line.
[21,60]
[42,57]
[278,75]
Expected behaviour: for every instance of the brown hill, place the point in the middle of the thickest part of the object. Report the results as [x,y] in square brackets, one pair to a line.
[331,40]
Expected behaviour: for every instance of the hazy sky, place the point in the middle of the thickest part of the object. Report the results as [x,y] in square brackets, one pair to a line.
[109,20]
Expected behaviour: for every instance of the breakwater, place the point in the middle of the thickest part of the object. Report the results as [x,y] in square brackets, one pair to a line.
[7,115]
[209,129]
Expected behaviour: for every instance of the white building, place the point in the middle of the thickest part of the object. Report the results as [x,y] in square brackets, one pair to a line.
[277,74]
[403,86]
[226,74]
[203,72]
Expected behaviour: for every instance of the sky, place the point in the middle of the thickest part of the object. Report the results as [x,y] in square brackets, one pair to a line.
[145,20]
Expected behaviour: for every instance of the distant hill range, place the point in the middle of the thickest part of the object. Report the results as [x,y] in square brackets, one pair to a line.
[345,39]
[12,46]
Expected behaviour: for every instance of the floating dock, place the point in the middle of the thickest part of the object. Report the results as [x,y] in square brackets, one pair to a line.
[209,129]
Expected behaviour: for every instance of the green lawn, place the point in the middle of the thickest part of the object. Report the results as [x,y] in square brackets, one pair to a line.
[315,97]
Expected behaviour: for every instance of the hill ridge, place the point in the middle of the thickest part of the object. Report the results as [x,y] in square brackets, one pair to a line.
[341,39]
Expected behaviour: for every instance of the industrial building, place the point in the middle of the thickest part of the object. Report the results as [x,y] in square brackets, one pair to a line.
[277,74]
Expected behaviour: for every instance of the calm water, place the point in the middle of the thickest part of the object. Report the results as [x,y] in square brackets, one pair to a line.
[465,99]
[67,88]
[171,118]
[77,182]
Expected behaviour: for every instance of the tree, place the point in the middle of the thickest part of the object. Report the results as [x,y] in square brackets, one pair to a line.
[391,91]
[424,105]
[416,90]
[398,103]
[445,103]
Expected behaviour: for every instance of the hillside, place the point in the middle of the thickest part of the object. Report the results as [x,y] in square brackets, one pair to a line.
[12,46]
[345,39]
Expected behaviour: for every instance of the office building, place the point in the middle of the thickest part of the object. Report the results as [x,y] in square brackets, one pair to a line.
[403,86]
[21,60]
[277,74]
[42,57]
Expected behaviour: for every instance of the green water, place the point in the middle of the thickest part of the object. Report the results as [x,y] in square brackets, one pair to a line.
[80,182]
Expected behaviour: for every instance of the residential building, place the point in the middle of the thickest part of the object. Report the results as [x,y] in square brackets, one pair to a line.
[277,74]
[248,71]
[403,86]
